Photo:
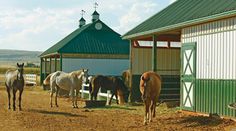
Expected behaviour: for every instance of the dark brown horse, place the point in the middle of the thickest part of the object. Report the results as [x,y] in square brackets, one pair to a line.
[150,88]
[108,83]
[15,81]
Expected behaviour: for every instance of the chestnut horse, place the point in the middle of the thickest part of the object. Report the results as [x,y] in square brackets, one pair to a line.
[150,88]
[114,84]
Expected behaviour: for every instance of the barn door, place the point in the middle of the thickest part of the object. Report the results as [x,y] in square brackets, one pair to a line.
[188,75]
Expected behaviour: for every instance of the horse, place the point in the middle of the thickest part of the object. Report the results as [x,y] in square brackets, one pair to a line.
[114,84]
[15,81]
[126,77]
[150,88]
[68,81]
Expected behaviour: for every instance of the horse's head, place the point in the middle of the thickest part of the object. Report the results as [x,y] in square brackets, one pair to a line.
[85,76]
[20,68]
[144,86]
[124,89]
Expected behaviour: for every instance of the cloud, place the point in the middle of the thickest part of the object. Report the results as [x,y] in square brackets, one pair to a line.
[136,14]
[172,1]
[38,28]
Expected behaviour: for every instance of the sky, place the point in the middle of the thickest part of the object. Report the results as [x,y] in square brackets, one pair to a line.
[36,25]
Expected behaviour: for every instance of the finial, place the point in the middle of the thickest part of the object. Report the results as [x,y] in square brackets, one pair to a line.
[95,5]
[82,13]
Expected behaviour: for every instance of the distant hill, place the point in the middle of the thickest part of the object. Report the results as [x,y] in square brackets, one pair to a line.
[11,57]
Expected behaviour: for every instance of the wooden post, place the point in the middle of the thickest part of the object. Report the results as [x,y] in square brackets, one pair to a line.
[41,70]
[50,65]
[45,67]
[60,61]
[154,54]
[55,62]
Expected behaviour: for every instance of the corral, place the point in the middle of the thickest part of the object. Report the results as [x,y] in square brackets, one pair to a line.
[37,114]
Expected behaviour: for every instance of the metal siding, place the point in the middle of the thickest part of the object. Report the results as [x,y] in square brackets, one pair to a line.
[96,66]
[215,48]
[215,95]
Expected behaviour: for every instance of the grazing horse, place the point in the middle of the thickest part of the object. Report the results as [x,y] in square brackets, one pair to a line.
[150,88]
[126,77]
[68,81]
[15,81]
[109,83]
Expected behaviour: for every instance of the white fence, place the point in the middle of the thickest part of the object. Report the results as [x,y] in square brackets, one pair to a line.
[31,79]
[107,95]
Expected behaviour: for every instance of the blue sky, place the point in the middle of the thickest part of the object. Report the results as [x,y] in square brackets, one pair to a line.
[36,25]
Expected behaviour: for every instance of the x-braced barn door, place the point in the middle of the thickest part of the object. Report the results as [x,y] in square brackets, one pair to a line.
[188,75]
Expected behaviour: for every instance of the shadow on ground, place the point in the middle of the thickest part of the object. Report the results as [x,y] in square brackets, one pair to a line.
[55,113]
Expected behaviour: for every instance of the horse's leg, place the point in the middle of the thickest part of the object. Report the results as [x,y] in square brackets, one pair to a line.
[111,98]
[146,114]
[20,93]
[14,99]
[57,91]
[72,92]
[9,97]
[154,108]
[117,102]
[76,98]
[152,112]
[51,95]
[95,93]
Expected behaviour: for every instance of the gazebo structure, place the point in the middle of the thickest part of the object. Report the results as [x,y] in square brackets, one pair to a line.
[93,46]
[207,63]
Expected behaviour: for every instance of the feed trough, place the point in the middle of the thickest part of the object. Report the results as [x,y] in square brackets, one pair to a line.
[97,103]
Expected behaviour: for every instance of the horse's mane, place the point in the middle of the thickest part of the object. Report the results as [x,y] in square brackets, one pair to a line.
[76,73]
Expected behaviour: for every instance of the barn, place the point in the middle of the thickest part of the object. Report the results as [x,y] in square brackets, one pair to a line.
[94,46]
[206,30]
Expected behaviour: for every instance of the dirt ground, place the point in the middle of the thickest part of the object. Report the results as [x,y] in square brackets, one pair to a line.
[38,115]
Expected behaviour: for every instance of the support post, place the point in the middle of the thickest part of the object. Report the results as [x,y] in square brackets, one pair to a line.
[45,67]
[41,70]
[154,54]
[60,61]
[55,62]
[50,65]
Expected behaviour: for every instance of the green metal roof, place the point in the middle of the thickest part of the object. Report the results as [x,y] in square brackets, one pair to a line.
[184,13]
[89,40]
[95,13]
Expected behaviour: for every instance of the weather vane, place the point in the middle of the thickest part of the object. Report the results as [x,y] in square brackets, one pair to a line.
[95,5]
[82,12]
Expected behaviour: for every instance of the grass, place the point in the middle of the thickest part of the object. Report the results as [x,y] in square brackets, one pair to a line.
[27,70]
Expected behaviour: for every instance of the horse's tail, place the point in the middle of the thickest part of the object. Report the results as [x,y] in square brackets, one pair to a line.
[47,80]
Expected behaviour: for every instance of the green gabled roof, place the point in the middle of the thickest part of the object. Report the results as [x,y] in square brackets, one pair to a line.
[95,13]
[89,40]
[184,13]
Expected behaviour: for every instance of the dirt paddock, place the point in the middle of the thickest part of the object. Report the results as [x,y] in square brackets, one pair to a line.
[38,115]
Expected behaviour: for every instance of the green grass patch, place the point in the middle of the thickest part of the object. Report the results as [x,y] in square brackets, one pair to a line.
[27,70]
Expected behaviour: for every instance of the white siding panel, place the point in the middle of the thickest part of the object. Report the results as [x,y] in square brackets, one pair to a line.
[96,66]
[216,48]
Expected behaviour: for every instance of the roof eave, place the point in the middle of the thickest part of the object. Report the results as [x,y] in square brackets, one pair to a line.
[183,24]
[48,55]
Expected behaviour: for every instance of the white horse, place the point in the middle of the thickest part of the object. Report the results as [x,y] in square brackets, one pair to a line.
[68,81]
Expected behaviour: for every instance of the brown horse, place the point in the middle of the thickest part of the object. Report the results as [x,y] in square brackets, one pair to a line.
[150,88]
[108,83]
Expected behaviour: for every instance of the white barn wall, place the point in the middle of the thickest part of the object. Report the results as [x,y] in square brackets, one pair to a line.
[216,48]
[96,66]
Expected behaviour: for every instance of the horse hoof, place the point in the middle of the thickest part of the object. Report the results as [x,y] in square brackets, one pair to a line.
[144,123]
[57,106]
